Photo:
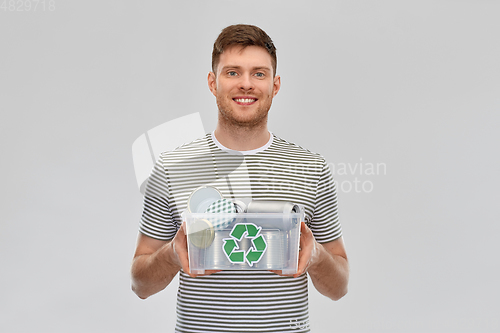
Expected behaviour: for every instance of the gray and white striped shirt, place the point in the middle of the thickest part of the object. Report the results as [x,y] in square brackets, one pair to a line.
[241,301]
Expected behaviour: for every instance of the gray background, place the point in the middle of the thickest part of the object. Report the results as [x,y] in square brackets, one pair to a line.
[413,85]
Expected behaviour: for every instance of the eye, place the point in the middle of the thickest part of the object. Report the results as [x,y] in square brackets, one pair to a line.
[232,73]
[259,74]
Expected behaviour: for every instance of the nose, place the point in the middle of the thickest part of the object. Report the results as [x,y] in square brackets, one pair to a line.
[246,82]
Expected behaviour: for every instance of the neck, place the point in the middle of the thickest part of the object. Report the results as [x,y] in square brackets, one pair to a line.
[242,138]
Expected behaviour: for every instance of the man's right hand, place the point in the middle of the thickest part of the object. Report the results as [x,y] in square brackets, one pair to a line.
[156,263]
[180,250]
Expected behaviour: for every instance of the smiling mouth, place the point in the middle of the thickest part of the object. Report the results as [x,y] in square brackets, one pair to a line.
[245,100]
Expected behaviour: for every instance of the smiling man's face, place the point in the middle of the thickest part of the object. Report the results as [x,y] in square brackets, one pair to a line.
[244,86]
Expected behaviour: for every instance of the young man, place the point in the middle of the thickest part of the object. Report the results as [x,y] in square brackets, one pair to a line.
[259,165]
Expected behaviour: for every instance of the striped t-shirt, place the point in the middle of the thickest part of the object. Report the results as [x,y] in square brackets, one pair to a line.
[241,301]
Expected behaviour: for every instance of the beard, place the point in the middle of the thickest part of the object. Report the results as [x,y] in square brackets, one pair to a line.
[243,119]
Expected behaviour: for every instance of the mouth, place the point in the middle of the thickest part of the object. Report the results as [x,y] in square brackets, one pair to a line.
[245,100]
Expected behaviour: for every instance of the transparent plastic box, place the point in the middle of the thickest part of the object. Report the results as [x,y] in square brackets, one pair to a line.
[243,241]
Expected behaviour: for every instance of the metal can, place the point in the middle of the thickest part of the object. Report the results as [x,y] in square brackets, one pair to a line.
[268,206]
[201,233]
[201,198]
[240,205]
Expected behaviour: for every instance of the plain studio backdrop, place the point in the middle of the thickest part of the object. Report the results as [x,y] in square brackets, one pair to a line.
[400,97]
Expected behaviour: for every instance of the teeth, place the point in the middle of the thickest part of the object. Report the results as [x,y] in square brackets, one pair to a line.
[245,100]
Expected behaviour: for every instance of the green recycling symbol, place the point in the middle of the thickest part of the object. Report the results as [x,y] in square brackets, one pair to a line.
[256,251]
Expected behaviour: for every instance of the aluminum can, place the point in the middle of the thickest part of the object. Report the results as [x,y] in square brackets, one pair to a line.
[239,205]
[268,206]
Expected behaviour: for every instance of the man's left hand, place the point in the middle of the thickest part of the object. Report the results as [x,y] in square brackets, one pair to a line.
[308,253]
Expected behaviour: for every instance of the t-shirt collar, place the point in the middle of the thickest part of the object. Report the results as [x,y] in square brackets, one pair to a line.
[243,152]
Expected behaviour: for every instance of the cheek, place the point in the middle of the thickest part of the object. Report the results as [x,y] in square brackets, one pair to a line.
[267,91]
[224,89]
[271,92]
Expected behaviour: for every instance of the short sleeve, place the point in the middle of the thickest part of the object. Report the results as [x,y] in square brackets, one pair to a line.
[325,223]
[156,219]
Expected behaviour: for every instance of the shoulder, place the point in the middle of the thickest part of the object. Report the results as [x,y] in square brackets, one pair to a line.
[200,146]
[292,150]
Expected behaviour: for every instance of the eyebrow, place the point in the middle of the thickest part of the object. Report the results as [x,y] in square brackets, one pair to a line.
[253,68]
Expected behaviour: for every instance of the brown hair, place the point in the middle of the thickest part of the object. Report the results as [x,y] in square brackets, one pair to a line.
[243,35]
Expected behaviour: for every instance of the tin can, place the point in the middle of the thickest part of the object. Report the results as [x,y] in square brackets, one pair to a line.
[239,205]
[225,209]
[201,233]
[201,198]
[267,206]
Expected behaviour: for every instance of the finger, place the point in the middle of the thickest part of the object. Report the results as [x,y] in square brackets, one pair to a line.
[207,272]
[182,229]
[304,229]
[185,264]
[303,263]
[181,249]
[305,252]
[280,273]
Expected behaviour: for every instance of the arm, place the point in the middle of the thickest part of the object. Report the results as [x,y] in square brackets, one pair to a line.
[326,264]
[156,263]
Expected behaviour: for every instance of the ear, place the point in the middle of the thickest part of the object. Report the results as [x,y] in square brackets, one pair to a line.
[276,85]
[212,83]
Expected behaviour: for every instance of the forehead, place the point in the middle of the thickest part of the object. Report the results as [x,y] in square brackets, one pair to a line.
[246,57]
